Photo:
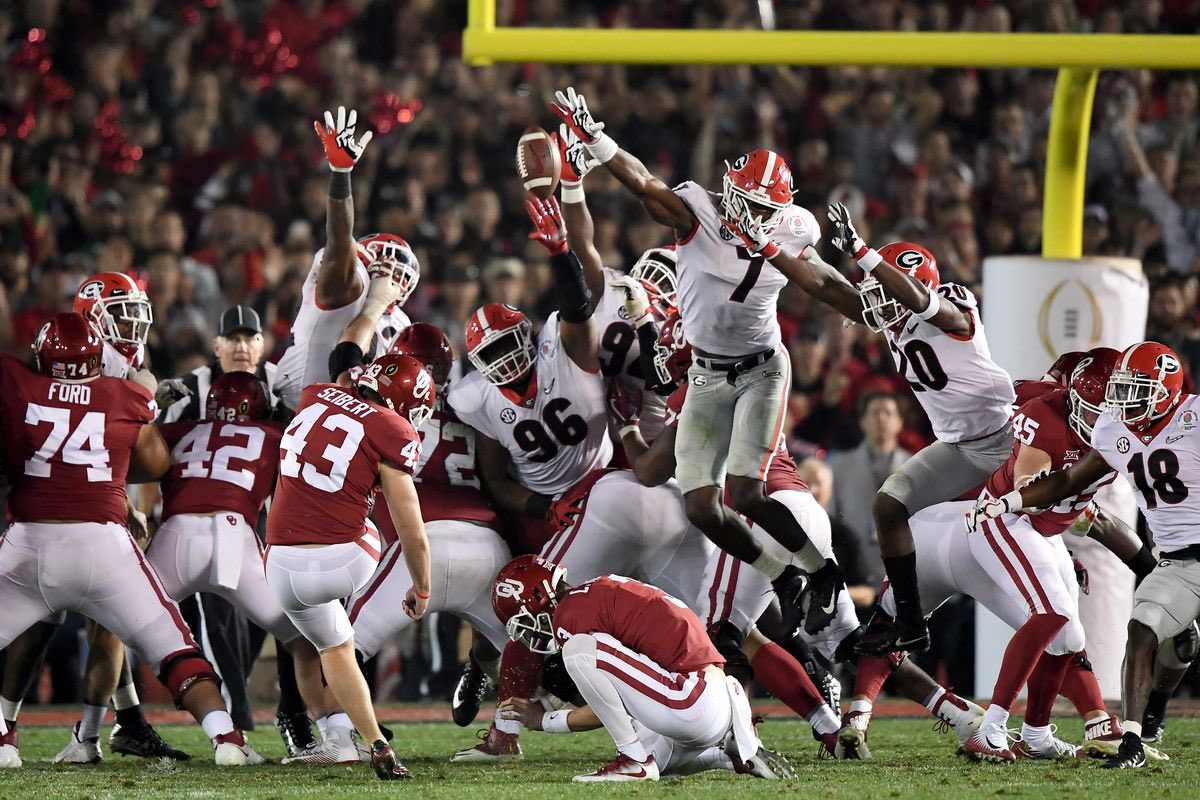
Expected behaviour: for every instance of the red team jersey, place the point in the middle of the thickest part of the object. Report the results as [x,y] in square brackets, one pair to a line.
[1042,423]
[67,445]
[220,466]
[641,617]
[329,460]
[781,475]
[447,483]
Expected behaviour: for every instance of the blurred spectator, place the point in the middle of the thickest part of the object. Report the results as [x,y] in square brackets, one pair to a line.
[858,474]
[846,545]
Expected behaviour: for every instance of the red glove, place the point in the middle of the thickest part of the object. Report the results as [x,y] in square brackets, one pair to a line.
[341,149]
[625,406]
[550,230]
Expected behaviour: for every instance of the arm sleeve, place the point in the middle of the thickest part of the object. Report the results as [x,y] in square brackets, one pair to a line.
[345,356]
[575,301]
[1155,200]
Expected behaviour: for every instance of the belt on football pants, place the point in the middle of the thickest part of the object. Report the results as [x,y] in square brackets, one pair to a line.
[733,369]
[1189,553]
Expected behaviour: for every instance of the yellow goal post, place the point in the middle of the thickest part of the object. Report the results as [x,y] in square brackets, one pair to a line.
[1077,57]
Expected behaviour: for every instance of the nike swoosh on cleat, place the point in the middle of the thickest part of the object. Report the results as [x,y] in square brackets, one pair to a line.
[832,605]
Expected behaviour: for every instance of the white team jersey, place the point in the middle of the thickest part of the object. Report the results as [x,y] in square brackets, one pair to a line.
[560,435]
[115,364]
[965,394]
[1163,467]
[316,330]
[727,296]
[620,353]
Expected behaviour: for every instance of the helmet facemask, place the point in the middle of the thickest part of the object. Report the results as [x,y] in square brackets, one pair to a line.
[1075,418]
[1132,397]
[504,357]
[736,201]
[880,310]
[535,631]
[658,277]
[123,320]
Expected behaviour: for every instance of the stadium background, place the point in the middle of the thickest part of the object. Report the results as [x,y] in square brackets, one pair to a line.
[173,140]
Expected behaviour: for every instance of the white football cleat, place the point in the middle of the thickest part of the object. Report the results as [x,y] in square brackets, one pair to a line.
[232,750]
[990,743]
[1102,737]
[80,751]
[852,737]
[495,746]
[10,754]
[338,748]
[622,768]
[1051,747]
[765,764]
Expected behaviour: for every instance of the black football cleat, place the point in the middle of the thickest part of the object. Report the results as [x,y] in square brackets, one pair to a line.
[385,763]
[821,597]
[789,588]
[1130,755]
[893,636]
[143,741]
[296,732]
[468,694]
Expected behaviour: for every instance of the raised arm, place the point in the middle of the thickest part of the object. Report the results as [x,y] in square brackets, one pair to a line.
[580,231]
[576,303]
[663,205]
[337,283]
[904,288]
[355,341]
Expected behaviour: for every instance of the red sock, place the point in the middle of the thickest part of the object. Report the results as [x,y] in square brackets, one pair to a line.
[782,676]
[520,671]
[1022,654]
[1044,683]
[872,672]
[1081,687]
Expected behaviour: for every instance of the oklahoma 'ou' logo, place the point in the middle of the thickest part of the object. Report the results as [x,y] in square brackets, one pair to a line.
[677,332]
[422,385]
[509,587]
[92,290]
[910,260]
[1167,364]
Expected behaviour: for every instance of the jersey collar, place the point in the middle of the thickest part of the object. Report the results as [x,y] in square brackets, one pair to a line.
[529,395]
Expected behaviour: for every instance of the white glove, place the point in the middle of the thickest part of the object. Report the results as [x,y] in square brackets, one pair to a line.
[845,237]
[170,390]
[991,507]
[1083,523]
[341,149]
[576,160]
[751,233]
[572,109]
[384,288]
[637,303]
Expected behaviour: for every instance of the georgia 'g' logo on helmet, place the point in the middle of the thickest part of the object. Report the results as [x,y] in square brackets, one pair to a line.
[92,290]
[910,259]
[741,161]
[509,587]
[1167,363]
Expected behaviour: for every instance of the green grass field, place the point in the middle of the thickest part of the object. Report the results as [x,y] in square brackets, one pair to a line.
[910,761]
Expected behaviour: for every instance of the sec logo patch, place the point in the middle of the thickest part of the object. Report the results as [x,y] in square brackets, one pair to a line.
[508,416]
[1123,445]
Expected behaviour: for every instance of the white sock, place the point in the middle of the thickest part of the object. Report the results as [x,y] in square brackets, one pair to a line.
[338,720]
[323,726]
[216,723]
[1129,726]
[995,715]
[809,558]
[768,565]
[861,706]
[1035,734]
[125,697]
[506,725]
[824,720]
[932,701]
[89,724]
[9,709]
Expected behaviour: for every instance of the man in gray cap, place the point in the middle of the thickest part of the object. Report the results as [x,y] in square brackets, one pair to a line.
[238,347]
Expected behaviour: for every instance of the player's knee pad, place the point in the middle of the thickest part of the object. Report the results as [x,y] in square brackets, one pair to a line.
[890,501]
[726,637]
[581,645]
[1070,639]
[1186,645]
[180,671]
[1082,661]
[1151,616]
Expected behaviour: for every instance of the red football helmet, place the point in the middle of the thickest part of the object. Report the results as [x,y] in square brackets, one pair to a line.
[672,353]
[427,344]
[390,247]
[238,397]
[402,383]
[524,597]
[118,308]
[656,270]
[760,178]
[1088,383]
[500,343]
[1145,386]
[880,310]
[1064,367]
[68,349]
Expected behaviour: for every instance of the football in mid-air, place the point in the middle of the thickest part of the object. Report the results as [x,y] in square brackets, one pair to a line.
[538,163]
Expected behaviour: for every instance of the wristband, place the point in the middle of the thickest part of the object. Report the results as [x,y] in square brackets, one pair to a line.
[418,595]
[1143,562]
[630,428]
[602,148]
[339,184]
[537,505]
[1012,501]
[556,721]
[374,306]
[869,261]
[769,250]
[935,304]
[572,192]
